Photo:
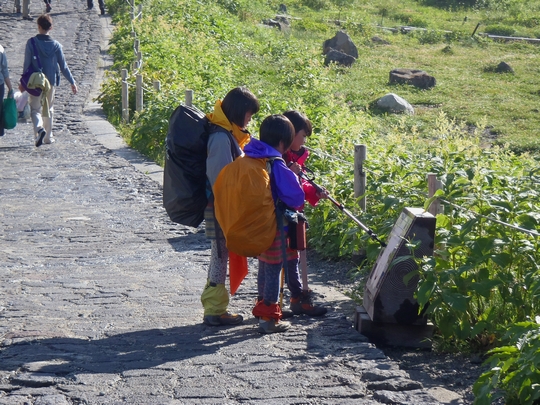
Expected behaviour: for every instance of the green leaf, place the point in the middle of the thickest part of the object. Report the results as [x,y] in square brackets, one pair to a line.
[458,302]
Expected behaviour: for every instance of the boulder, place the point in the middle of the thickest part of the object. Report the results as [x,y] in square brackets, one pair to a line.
[339,58]
[417,78]
[379,40]
[395,104]
[504,67]
[281,23]
[341,42]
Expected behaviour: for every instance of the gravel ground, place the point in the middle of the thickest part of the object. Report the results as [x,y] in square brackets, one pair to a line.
[455,372]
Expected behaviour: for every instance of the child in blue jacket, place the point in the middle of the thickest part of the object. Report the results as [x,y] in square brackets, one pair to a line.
[276,135]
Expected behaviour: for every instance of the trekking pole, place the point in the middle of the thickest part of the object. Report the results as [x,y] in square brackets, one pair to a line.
[342,208]
[281,227]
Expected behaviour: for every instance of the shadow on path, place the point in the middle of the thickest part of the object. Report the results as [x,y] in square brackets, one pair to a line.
[127,351]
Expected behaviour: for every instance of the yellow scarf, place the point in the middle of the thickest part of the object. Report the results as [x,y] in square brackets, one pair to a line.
[218,118]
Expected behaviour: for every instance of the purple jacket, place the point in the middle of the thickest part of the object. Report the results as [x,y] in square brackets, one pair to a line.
[286,186]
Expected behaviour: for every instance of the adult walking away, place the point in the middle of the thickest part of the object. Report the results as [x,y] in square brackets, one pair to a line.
[52,60]
[90,4]
[231,116]
[4,78]
[25,9]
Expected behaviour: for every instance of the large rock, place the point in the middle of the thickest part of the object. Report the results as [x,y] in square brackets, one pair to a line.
[417,78]
[341,42]
[395,104]
[338,57]
[504,67]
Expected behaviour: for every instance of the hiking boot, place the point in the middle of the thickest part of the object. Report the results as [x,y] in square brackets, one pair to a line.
[102,11]
[224,319]
[41,135]
[269,325]
[18,11]
[304,305]
[286,313]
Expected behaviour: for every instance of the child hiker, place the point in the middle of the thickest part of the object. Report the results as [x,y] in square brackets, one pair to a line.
[233,114]
[276,135]
[301,299]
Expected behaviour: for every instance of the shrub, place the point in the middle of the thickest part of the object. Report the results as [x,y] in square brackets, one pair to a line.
[316,4]
[514,368]
[499,29]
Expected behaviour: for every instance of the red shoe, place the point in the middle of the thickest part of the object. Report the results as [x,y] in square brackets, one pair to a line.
[304,305]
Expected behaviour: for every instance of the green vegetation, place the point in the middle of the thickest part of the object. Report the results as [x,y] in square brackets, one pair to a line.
[477,130]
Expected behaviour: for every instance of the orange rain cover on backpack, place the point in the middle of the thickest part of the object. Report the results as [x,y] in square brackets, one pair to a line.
[244,206]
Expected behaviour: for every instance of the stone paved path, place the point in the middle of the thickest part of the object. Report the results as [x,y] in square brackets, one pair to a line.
[99,291]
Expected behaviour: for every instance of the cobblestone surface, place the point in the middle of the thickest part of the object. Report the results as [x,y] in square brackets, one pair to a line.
[99,291]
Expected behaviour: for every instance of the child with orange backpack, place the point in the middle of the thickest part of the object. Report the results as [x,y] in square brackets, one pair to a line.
[276,135]
[301,297]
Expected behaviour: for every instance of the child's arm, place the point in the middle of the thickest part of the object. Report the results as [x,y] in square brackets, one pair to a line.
[287,185]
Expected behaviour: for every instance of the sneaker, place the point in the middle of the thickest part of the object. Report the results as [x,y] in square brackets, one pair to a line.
[269,325]
[28,17]
[304,305]
[102,11]
[41,135]
[49,141]
[48,8]
[225,319]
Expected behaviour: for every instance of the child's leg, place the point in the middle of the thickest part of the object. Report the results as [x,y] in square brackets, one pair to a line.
[295,287]
[215,297]
[271,283]
[303,269]
[217,271]
[260,280]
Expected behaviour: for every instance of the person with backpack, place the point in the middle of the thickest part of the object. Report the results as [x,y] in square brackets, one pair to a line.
[231,116]
[276,136]
[52,61]
[4,78]
[301,301]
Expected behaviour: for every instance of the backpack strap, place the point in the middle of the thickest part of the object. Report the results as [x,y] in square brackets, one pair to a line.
[36,53]
[213,128]
[280,212]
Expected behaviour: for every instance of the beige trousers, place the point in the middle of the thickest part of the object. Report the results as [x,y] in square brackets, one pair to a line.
[37,119]
[25,6]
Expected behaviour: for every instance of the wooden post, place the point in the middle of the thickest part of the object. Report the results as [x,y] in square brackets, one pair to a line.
[139,59]
[475,29]
[139,15]
[136,45]
[433,186]
[157,85]
[125,97]
[189,97]
[139,93]
[360,154]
